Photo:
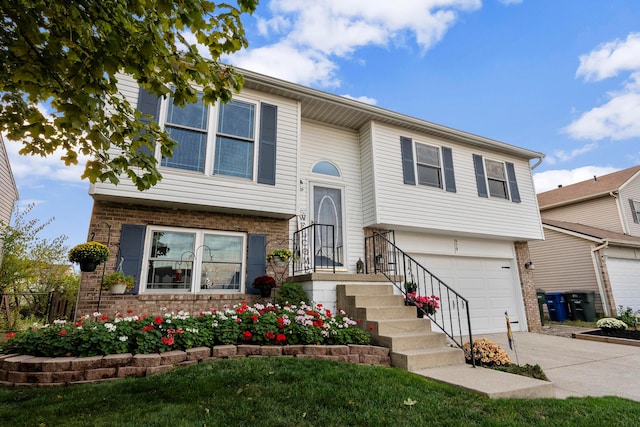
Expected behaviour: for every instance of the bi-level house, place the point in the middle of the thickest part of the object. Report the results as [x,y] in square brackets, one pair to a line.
[8,189]
[283,165]
[592,240]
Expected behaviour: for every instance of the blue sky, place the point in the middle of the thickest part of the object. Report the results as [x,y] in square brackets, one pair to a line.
[559,77]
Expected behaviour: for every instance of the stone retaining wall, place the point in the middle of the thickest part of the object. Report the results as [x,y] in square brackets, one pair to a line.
[21,370]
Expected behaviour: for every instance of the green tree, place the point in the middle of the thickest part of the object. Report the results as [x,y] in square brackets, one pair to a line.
[66,56]
[32,266]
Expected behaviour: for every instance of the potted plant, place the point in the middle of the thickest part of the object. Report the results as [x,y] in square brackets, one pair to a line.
[280,255]
[265,284]
[118,282]
[409,288]
[428,304]
[89,255]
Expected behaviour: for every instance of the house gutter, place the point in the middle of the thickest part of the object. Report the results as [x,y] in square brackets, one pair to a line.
[538,162]
[599,278]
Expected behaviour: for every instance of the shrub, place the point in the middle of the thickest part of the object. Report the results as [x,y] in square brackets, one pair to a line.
[609,323]
[290,293]
[486,353]
[629,316]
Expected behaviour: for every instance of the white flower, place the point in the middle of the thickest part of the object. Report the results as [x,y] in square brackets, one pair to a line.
[123,338]
[110,327]
[59,322]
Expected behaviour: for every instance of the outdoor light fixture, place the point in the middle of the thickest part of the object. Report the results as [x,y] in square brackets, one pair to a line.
[529,265]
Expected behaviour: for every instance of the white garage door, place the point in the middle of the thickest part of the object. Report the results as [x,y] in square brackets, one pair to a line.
[625,281]
[490,286]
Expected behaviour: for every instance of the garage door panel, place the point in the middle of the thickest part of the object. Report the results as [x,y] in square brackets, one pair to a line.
[485,283]
[624,275]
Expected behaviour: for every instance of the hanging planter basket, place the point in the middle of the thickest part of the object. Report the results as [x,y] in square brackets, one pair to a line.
[88,265]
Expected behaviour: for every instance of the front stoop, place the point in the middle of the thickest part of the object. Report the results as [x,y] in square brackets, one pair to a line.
[413,346]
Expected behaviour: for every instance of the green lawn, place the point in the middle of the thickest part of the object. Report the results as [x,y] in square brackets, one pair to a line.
[294,392]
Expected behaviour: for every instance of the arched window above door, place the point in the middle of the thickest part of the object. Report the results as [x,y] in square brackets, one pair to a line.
[326,168]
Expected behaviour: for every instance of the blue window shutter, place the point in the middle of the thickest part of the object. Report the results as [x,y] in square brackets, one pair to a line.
[256,260]
[481,182]
[267,148]
[148,104]
[449,176]
[513,184]
[131,249]
[634,212]
[408,171]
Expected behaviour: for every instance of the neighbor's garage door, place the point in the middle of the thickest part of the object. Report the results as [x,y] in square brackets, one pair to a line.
[625,281]
[489,285]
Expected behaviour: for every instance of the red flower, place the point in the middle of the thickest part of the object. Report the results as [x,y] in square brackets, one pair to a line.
[371,327]
[167,340]
[281,338]
[147,328]
[79,323]
[238,320]
[157,320]
[105,318]
[63,332]
[247,336]
[327,312]
[129,311]
[254,318]
[270,335]
[10,335]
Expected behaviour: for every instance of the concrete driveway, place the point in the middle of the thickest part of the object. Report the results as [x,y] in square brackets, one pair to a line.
[577,367]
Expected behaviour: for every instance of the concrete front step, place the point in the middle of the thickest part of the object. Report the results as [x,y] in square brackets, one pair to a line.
[411,340]
[374,300]
[489,382]
[385,313]
[398,326]
[360,289]
[423,358]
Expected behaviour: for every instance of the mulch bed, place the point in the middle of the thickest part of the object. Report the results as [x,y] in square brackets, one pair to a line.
[616,333]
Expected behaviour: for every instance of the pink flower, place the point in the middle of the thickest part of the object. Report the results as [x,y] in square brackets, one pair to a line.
[167,340]
[63,332]
[281,338]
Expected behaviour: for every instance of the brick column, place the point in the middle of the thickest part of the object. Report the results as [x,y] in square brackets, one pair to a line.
[528,286]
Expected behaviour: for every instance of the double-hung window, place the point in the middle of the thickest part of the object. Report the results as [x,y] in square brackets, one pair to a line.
[635,210]
[497,179]
[235,140]
[186,260]
[188,127]
[428,165]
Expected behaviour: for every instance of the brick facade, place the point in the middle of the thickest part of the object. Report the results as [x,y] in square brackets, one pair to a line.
[106,223]
[528,287]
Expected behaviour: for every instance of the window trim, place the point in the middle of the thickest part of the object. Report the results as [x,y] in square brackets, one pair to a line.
[505,181]
[439,168]
[197,266]
[635,210]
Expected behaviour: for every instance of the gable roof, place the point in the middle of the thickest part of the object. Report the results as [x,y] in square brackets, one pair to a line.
[585,190]
[593,233]
[345,112]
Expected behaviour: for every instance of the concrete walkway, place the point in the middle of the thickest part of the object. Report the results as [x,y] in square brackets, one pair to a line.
[575,368]
[578,367]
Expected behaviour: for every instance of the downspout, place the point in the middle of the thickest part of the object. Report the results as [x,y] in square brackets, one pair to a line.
[599,279]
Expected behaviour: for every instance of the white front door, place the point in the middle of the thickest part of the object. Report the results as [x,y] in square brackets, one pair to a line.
[328,242]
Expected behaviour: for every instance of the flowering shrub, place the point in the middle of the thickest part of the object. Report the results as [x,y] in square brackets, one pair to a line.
[259,324]
[428,303]
[486,353]
[611,323]
[95,251]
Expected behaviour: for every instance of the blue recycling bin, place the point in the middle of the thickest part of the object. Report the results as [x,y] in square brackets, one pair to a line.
[557,306]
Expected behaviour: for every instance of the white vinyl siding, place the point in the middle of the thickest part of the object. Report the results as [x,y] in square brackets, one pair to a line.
[7,186]
[340,147]
[184,189]
[565,263]
[601,213]
[630,190]
[426,208]
[368,173]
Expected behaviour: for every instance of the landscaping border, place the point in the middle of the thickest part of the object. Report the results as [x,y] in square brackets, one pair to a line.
[611,340]
[30,371]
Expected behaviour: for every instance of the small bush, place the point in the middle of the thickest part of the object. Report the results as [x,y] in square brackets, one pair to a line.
[486,353]
[611,323]
[290,293]
[526,370]
[628,316]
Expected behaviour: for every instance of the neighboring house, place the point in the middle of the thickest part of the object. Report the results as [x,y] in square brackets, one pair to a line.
[592,240]
[248,175]
[8,190]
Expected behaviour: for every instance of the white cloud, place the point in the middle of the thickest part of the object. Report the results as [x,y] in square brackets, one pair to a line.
[33,170]
[365,99]
[548,180]
[611,58]
[310,36]
[565,156]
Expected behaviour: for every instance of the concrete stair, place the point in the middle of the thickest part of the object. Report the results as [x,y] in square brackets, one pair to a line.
[412,344]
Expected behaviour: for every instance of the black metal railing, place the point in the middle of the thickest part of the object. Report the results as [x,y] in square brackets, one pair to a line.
[405,273]
[315,248]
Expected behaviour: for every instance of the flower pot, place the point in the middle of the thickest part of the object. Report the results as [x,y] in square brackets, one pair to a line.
[419,312]
[118,288]
[265,292]
[88,265]
[279,261]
